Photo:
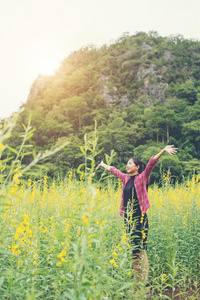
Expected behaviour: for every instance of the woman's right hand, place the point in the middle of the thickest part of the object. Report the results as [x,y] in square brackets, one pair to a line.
[103,165]
[100,165]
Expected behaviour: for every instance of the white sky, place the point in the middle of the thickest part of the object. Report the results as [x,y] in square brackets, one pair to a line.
[36,35]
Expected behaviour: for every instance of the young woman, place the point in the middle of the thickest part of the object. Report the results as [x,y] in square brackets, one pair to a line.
[134,205]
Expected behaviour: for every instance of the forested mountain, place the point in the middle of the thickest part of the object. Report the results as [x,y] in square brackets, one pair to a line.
[142,90]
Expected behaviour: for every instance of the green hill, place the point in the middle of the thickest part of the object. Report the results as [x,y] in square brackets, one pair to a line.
[142,90]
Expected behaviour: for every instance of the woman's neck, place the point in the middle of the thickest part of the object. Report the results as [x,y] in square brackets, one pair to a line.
[133,174]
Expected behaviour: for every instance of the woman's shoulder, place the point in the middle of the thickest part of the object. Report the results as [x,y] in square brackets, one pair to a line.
[140,178]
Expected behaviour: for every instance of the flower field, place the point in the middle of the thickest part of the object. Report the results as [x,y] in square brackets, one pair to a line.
[66,241]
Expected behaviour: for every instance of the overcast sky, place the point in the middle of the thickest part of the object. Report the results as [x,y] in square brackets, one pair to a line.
[36,35]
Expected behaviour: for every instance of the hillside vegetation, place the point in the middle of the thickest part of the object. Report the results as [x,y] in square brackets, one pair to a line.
[143,91]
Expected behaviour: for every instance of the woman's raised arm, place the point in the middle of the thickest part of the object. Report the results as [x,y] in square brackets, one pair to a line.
[112,170]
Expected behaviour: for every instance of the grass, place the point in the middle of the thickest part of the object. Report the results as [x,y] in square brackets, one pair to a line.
[67,241]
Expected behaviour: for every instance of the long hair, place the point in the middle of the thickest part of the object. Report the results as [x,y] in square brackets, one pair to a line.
[139,163]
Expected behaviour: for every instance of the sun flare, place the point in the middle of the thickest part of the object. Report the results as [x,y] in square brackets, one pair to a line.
[47,65]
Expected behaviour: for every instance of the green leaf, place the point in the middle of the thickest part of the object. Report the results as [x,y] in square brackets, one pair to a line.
[126,286]
[7,159]
[82,150]
[6,204]
[28,137]
[70,276]
[25,154]
[24,127]
[179,294]
[6,252]
[12,150]
[1,281]
[70,296]
[79,169]
[90,149]
[107,159]
[34,153]
[73,270]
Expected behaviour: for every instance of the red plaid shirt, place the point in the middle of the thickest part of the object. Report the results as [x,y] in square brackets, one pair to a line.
[140,183]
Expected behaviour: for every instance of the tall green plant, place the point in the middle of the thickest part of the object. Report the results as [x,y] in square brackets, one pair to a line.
[108,159]
[90,152]
[11,166]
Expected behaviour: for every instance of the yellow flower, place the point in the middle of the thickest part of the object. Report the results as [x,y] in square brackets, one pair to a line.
[85,219]
[63,260]
[70,177]
[15,247]
[143,234]
[26,218]
[113,262]
[29,232]
[16,178]
[16,236]
[59,264]
[81,177]
[197,179]
[29,182]
[19,262]
[163,276]
[142,218]
[45,180]
[102,223]
[119,248]
[15,251]
[62,253]
[44,230]
[19,230]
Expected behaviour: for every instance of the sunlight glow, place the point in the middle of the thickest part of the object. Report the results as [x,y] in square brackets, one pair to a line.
[46,65]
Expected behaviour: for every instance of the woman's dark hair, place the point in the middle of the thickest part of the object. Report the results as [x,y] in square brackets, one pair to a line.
[139,163]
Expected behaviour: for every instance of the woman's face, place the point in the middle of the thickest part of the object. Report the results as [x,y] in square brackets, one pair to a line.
[131,167]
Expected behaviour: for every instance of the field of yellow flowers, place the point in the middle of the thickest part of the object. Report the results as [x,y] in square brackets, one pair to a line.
[66,241]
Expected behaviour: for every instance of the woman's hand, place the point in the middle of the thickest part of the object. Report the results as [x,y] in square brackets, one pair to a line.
[103,165]
[100,165]
[170,149]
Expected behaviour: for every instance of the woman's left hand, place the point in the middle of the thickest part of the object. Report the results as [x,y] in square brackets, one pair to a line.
[170,149]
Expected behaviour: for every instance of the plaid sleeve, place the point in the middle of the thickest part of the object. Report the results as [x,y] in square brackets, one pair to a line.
[117,173]
[149,167]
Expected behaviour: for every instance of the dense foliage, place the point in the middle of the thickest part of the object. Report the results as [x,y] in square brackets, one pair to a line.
[142,90]
[65,240]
